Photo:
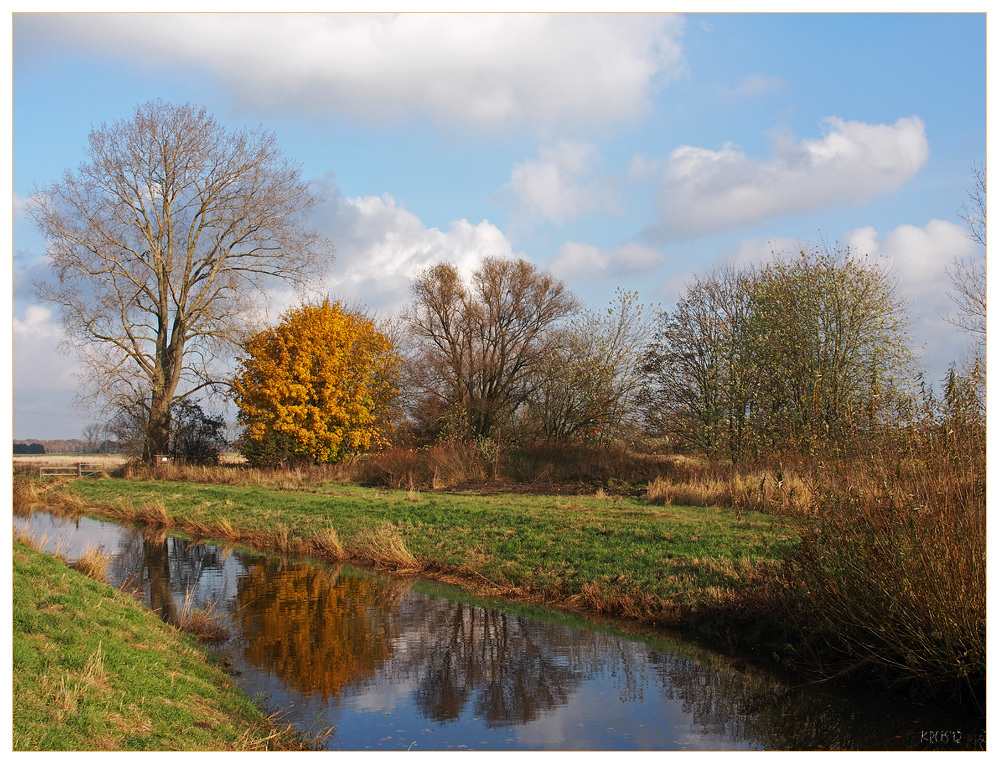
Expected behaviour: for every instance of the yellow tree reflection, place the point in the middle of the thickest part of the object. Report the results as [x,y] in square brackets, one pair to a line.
[313,629]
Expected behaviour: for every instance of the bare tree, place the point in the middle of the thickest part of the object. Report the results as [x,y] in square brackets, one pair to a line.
[590,372]
[158,241]
[94,437]
[477,344]
[701,368]
[968,276]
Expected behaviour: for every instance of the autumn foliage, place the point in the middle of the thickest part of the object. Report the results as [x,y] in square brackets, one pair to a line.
[317,387]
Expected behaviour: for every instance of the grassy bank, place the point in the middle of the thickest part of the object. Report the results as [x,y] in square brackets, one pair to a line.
[93,670]
[610,555]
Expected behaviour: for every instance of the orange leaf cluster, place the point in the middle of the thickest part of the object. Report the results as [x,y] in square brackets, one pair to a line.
[323,379]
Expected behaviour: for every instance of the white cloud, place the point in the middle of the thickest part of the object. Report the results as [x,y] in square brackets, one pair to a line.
[704,190]
[920,258]
[43,378]
[579,258]
[555,186]
[381,246]
[481,70]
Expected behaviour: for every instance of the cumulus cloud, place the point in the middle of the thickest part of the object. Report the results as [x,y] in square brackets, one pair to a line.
[704,190]
[557,186]
[381,246]
[920,258]
[481,70]
[579,258]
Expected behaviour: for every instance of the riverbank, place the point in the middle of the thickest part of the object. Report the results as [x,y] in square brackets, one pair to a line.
[613,556]
[94,670]
[753,584]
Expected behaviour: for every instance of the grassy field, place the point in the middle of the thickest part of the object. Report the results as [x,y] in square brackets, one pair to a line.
[93,670]
[612,555]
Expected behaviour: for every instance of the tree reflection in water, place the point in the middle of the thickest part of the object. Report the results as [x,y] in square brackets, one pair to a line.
[495,658]
[313,629]
[338,635]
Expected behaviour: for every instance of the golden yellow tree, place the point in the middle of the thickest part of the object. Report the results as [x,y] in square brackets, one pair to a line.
[319,386]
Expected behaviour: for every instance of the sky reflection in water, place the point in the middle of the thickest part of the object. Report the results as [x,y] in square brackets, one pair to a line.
[388,667]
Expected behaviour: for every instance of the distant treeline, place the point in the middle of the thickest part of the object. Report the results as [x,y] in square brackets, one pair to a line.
[28,448]
[66,446]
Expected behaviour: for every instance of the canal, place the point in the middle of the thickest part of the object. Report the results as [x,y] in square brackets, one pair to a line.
[383,663]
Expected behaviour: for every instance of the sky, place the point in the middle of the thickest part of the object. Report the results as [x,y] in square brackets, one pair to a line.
[617,151]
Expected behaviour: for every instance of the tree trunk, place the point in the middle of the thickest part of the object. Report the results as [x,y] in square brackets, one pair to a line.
[158,429]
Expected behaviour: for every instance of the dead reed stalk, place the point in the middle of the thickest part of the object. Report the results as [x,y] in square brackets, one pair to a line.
[384,547]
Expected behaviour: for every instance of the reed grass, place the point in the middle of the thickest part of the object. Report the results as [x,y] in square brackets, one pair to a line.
[894,574]
[383,546]
[25,489]
[203,623]
[93,563]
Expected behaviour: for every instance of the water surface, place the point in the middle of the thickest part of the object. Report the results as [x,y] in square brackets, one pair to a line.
[393,664]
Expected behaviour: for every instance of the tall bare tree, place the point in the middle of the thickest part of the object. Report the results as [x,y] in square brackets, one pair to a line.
[968,276]
[158,241]
[477,344]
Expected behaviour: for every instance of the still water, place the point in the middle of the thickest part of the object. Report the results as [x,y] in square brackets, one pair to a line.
[390,664]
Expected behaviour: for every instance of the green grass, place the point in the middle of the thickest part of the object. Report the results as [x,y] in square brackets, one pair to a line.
[609,555]
[93,670]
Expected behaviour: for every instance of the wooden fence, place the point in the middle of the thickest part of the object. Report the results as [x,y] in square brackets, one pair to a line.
[78,470]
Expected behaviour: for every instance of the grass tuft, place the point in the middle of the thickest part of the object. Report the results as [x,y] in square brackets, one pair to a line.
[327,542]
[204,623]
[384,547]
[93,563]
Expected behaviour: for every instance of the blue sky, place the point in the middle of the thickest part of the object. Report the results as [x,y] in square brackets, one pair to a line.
[627,151]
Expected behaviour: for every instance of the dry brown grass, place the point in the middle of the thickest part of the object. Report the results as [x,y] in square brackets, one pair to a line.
[25,489]
[327,544]
[110,461]
[93,563]
[383,546]
[149,511]
[203,623]
[777,492]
